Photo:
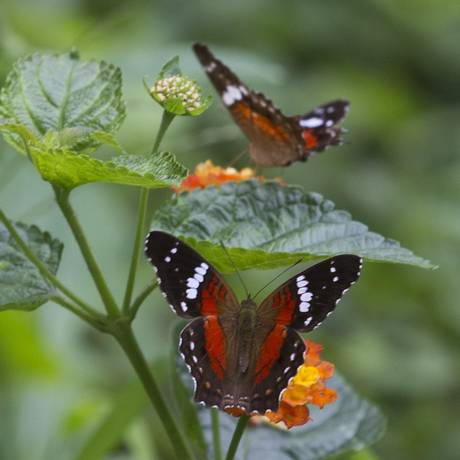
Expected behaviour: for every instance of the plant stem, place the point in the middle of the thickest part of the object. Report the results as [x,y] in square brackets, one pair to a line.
[62,198]
[82,315]
[43,269]
[139,238]
[216,433]
[237,434]
[128,342]
[140,299]
[166,120]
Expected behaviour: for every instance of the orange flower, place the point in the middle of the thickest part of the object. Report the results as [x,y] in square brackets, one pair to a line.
[307,387]
[208,174]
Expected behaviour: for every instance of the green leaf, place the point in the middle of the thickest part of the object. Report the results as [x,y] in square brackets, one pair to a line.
[125,409]
[22,287]
[68,169]
[267,225]
[53,93]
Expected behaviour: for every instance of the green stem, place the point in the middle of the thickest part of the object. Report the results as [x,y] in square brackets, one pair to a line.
[140,299]
[43,269]
[128,342]
[82,315]
[139,238]
[166,120]
[62,198]
[216,433]
[237,434]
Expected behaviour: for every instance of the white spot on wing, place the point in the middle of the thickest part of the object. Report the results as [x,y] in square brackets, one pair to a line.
[306,297]
[312,122]
[167,259]
[302,290]
[231,95]
[192,283]
[300,278]
[184,306]
[302,283]
[333,269]
[173,250]
[191,293]
[307,321]
[304,307]
[335,279]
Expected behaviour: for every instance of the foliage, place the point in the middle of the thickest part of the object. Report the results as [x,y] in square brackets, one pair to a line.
[399,174]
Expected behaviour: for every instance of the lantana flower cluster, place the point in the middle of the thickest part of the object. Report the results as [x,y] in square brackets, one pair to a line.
[207,174]
[307,387]
[181,89]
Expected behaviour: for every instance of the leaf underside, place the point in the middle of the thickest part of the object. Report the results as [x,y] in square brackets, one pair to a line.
[22,287]
[267,225]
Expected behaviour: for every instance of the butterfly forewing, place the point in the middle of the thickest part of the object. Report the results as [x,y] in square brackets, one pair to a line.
[190,284]
[305,300]
[276,139]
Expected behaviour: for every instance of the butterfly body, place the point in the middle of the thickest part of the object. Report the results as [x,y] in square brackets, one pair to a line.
[275,139]
[242,354]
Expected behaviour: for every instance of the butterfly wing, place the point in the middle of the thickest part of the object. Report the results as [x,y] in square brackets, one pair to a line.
[318,126]
[305,300]
[201,346]
[191,285]
[276,140]
[281,354]
[194,289]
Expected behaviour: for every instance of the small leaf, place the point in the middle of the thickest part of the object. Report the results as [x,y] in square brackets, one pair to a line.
[52,93]
[69,169]
[172,67]
[267,225]
[22,287]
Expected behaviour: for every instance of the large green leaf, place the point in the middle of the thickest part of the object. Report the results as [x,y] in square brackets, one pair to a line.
[69,169]
[266,225]
[55,93]
[22,287]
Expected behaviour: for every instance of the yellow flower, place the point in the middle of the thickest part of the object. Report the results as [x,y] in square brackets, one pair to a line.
[307,387]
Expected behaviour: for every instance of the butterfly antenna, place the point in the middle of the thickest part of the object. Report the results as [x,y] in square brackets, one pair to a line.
[277,276]
[236,269]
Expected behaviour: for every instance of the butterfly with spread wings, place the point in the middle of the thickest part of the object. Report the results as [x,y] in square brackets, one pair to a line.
[275,139]
[242,355]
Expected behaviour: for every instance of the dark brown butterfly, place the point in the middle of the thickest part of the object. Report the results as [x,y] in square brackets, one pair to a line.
[242,355]
[275,139]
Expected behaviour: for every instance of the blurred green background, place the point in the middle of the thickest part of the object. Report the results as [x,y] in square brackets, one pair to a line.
[395,338]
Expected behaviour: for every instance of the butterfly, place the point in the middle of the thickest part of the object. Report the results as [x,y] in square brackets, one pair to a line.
[275,139]
[242,355]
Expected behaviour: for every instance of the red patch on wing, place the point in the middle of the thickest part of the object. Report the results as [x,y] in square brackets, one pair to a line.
[215,345]
[213,293]
[310,139]
[243,112]
[285,303]
[270,352]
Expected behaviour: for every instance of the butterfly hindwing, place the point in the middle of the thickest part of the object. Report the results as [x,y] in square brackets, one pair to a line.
[305,300]
[318,126]
[190,284]
[280,356]
[196,345]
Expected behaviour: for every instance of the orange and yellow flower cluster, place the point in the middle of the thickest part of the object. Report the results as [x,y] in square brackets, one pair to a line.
[307,387]
[207,174]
